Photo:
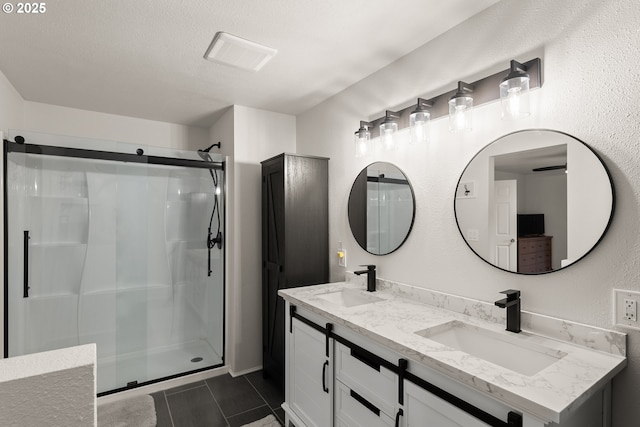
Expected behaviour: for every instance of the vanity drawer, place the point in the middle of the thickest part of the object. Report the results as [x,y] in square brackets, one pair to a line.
[358,371]
[354,410]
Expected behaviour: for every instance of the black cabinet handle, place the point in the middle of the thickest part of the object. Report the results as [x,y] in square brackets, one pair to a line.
[324,372]
[398,415]
[364,402]
[25,284]
[366,358]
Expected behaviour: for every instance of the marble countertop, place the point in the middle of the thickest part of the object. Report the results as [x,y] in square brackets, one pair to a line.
[549,394]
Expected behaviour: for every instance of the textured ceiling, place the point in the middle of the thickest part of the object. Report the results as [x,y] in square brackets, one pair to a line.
[144,58]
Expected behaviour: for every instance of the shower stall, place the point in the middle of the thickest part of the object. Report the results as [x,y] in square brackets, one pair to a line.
[118,245]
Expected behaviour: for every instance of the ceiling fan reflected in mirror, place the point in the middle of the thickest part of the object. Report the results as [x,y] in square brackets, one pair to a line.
[550,168]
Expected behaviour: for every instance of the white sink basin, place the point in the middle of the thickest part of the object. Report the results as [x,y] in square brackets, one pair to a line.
[349,298]
[501,349]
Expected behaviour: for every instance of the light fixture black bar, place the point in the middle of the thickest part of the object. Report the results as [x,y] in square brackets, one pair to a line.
[423,103]
[49,150]
[484,90]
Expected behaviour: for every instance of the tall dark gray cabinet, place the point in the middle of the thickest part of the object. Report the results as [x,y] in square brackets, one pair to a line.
[295,242]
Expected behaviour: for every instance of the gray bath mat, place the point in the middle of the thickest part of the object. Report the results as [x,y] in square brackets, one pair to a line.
[268,421]
[137,411]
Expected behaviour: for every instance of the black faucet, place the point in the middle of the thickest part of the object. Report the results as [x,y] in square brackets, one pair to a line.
[371,276]
[512,304]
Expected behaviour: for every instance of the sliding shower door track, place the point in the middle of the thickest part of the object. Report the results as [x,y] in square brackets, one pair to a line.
[138,157]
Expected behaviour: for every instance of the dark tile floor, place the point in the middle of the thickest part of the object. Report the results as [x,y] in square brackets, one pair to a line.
[219,402]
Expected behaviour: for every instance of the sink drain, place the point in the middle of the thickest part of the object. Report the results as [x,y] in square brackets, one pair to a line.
[196,359]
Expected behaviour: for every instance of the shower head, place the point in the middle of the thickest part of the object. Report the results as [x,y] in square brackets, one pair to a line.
[204,154]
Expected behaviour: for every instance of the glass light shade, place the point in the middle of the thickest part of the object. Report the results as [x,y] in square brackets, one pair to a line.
[387,131]
[514,97]
[419,127]
[460,115]
[362,138]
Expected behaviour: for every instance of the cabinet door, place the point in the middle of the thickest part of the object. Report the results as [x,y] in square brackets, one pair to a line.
[272,270]
[423,409]
[311,376]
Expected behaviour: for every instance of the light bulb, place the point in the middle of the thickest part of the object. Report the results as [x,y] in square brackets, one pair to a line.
[419,127]
[460,109]
[362,138]
[514,94]
[459,118]
[387,131]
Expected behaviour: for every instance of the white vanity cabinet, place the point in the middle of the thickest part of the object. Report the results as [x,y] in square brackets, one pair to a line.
[308,376]
[337,377]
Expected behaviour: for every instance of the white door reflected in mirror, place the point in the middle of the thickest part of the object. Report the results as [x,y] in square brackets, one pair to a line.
[527,214]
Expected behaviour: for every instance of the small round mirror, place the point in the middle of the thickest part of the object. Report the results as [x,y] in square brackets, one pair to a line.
[534,201]
[381,208]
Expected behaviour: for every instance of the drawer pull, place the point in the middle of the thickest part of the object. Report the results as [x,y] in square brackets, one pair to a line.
[398,415]
[364,402]
[366,358]
[324,375]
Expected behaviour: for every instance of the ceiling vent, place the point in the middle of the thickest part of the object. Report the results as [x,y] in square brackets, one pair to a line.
[237,52]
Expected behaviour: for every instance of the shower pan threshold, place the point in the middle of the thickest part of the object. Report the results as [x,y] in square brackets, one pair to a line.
[158,364]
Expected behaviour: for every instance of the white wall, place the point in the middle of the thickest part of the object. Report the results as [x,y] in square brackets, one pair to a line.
[589,51]
[547,194]
[58,120]
[257,136]
[11,106]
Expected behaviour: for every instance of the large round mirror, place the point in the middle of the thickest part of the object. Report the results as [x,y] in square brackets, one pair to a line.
[534,201]
[381,208]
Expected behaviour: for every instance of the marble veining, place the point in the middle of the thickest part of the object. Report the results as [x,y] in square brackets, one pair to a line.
[585,335]
[588,357]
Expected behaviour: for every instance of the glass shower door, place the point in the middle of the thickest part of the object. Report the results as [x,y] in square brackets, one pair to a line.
[117,254]
[47,244]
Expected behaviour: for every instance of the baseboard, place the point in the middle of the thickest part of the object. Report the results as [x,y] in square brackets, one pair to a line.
[244,372]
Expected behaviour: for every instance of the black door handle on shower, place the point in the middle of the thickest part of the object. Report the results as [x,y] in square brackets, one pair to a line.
[324,375]
[25,290]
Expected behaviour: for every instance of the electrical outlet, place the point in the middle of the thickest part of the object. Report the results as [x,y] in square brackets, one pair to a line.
[625,308]
[342,255]
[630,310]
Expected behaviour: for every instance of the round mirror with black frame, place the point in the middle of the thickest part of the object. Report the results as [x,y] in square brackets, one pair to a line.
[381,208]
[534,201]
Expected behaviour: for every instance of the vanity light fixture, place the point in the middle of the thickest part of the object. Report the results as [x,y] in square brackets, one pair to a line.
[362,139]
[460,105]
[514,92]
[419,122]
[387,130]
[457,103]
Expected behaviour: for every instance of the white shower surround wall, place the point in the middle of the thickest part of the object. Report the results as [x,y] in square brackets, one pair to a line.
[589,57]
